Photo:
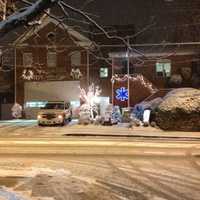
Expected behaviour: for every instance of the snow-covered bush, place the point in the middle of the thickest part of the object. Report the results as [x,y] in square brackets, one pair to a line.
[16,111]
[84,114]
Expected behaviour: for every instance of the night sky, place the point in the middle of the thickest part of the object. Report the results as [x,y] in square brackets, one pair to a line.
[169,20]
[174,20]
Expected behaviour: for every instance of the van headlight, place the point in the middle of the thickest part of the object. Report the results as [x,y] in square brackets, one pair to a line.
[60,117]
[39,117]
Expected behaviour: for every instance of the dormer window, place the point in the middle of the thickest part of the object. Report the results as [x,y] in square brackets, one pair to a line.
[51,36]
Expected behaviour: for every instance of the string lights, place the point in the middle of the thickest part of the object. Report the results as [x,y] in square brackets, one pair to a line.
[137,77]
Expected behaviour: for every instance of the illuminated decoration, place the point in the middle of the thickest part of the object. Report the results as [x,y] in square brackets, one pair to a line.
[35,104]
[76,74]
[138,77]
[90,99]
[35,73]
[16,111]
[40,73]
[122,94]
[28,74]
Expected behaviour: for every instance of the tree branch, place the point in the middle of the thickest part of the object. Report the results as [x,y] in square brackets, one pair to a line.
[22,18]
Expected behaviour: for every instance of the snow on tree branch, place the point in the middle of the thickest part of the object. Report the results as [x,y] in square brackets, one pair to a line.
[124,40]
[25,16]
[28,14]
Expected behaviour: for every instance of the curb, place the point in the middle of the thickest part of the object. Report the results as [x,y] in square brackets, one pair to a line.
[184,138]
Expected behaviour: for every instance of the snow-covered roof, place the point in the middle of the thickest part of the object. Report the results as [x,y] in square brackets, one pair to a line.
[21,34]
[81,39]
[159,50]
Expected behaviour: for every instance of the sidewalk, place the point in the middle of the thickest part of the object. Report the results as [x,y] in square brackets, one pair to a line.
[124,131]
[29,129]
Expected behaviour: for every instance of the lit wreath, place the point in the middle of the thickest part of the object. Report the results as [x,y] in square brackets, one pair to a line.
[27,74]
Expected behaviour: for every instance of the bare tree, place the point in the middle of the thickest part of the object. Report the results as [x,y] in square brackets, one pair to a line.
[25,15]
[33,9]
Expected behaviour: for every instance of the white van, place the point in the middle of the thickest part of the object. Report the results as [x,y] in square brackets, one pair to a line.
[54,113]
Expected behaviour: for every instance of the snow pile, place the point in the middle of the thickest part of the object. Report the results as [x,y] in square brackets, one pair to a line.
[180,110]
[112,115]
[140,111]
[50,172]
[16,111]
[8,194]
[84,114]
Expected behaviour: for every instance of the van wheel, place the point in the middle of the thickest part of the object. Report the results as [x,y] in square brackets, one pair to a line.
[63,123]
[69,119]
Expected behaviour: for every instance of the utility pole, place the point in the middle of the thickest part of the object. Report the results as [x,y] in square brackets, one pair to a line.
[88,68]
[128,70]
[112,83]
[15,79]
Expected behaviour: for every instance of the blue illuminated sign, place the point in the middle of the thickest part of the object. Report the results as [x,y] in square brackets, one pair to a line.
[121,94]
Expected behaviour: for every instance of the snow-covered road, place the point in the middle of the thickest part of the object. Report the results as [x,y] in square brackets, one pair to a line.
[103,178]
[47,164]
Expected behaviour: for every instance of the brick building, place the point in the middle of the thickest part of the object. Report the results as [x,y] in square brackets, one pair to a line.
[54,52]
[50,53]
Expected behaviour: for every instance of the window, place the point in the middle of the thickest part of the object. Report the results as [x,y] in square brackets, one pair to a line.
[59,106]
[163,68]
[35,104]
[75,104]
[7,57]
[76,58]
[51,59]
[103,72]
[51,36]
[27,59]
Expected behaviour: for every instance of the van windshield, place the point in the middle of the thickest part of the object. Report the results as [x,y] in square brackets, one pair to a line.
[59,106]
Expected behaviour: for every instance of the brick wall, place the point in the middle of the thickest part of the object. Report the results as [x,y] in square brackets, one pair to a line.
[39,46]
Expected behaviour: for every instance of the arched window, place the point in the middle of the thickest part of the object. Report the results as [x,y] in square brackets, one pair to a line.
[76,58]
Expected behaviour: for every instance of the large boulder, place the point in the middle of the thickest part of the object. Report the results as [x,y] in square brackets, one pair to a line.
[180,110]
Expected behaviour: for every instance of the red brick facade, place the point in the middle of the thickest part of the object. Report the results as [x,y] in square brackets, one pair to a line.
[64,44]
[39,45]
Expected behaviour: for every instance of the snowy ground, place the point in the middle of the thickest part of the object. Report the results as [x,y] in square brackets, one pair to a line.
[105,178]
[95,176]
[29,128]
